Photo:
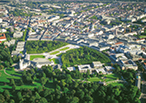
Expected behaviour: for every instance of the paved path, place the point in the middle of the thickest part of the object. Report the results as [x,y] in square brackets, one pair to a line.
[6,73]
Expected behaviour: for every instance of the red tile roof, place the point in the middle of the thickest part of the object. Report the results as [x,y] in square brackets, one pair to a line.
[118,43]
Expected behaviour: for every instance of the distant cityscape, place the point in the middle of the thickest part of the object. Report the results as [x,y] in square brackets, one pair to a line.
[40,34]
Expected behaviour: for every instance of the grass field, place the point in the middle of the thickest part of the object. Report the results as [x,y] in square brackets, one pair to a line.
[106,78]
[6,78]
[59,54]
[64,48]
[95,79]
[36,56]
[117,84]
[13,73]
[142,36]
[56,61]
[53,53]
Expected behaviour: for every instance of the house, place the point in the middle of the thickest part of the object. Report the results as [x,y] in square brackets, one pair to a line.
[2,37]
[84,68]
[129,64]
[37,62]
[17,34]
[71,68]
[101,70]
[97,64]
[12,42]
[116,57]
[20,46]
[131,33]
[1,20]
[109,68]
[140,40]
[3,30]
[119,43]
[62,38]
[104,48]
[23,63]
[14,53]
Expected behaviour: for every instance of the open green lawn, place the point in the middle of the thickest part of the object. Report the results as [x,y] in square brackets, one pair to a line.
[13,72]
[53,53]
[36,56]
[142,36]
[113,76]
[117,84]
[56,61]
[95,79]
[106,78]
[64,48]
[59,54]
[6,78]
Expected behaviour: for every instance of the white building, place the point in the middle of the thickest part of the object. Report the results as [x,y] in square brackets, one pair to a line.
[1,20]
[18,34]
[84,68]
[71,68]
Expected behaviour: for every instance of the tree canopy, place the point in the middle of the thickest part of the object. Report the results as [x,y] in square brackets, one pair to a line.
[83,55]
[43,46]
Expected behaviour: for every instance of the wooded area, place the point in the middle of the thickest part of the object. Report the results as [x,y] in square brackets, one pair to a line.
[43,46]
[83,55]
[66,89]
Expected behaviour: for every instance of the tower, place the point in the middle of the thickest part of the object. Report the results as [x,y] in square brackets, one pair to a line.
[138,80]
[21,64]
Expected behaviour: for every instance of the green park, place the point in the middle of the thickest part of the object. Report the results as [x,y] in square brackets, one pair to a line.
[36,56]
[53,53]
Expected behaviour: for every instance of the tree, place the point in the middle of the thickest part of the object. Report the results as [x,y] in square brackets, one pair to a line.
[40,89]
[12,82]
[47,92]
[75,100]
[19,96]
[68,79]
[75,84]
[12,101]
[73,92]
[14,88]
[32,99]
[1,67]
[62,83]
[88,98]
[43,81]
[88,73]
[21,82]
[6,94]
[114,101]
[80,94]
[66,90]
[43,100]
[37,96]
[2,98]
